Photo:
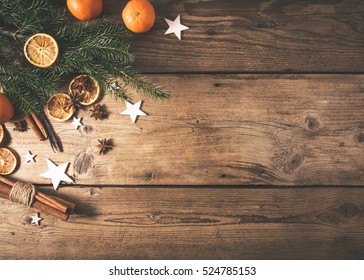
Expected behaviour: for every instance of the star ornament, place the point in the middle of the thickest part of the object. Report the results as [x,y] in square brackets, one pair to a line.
[133,110]
[29,157]
[175,27]
[56,173]
[36,219]
[77,122]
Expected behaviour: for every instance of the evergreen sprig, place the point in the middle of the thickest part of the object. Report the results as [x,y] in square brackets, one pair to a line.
[98,48]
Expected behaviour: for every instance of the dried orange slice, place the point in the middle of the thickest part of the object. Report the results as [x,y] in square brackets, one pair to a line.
[87,88]
[41,50]
[1,133]
[8,161]
[57,107]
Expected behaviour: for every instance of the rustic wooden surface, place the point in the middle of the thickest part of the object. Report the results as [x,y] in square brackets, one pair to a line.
[253,36]
[192,223]
[234,129]
[237,116]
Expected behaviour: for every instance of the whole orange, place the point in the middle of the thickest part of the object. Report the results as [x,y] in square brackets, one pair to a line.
[85,9]
[6,109]
[139,15]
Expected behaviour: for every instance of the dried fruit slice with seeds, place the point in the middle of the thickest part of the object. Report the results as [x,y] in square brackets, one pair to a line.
[41,50]
[86,87]
[57,107]
[8,161]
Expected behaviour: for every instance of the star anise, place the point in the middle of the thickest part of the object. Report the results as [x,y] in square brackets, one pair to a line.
[104,145]
[20,126]
[81,84]
[98,112]
[73,102]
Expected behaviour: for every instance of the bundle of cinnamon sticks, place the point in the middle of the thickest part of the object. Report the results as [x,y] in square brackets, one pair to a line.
[55,206]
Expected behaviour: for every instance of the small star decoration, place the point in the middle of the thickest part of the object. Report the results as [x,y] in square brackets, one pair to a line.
[36,219]
[29,157]
[133,110]
[56,173]
[77,122]
[175,27]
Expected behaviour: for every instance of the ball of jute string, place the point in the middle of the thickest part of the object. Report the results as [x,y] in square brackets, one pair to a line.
[23,193]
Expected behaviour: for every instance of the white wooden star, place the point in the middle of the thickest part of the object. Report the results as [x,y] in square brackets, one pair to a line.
[36,219]
[133,110]
[175,27]
[29,157]
[77,122]
[56,173]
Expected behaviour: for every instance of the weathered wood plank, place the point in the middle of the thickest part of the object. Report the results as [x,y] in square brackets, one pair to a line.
[192,223]
[250,36]
[222,129]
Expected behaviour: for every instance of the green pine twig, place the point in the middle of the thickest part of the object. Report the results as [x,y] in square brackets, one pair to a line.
[98,48]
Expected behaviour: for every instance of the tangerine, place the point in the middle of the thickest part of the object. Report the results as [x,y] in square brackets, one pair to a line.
[139,15]
[85,9]
[6,109]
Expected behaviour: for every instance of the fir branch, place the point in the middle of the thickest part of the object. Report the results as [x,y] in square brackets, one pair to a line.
[118,92]
[29,17]
[98,48]
[7,48]
[27,88]
[137,82]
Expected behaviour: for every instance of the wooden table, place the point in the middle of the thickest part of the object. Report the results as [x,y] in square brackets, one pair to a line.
[258,154]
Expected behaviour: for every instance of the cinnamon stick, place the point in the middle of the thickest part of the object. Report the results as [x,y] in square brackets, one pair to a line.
[39,196]
[56,203]
[39,124]
[5,192]
[50,201]
[7,181]
[62,208]
[49,210]
[70,206]
[30,121]
[3,195]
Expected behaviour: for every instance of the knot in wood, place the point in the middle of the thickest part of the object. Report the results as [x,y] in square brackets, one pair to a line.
[292,163]
[210,32]
[348,210]
[360,137]
[150,176]
[312,123]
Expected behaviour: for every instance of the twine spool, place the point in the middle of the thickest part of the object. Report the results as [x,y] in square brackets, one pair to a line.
[23,193]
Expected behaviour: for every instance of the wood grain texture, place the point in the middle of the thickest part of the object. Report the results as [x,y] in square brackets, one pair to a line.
[252,36]
[192,223]
[221,129]
[261,131]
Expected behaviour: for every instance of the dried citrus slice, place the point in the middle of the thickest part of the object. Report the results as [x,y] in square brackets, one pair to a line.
[1,133]
[86,87]
[41,50]
[8,161]
[57,107]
